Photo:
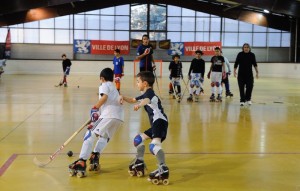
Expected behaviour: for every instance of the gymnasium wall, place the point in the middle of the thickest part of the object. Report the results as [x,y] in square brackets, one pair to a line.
[46,59]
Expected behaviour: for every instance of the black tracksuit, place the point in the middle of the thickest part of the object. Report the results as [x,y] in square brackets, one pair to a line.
[245,61]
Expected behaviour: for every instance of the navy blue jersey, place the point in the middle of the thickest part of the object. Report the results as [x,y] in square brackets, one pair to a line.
[154,109]
[176,69]
[146,61]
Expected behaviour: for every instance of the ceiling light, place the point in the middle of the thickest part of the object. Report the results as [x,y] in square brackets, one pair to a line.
[266,11]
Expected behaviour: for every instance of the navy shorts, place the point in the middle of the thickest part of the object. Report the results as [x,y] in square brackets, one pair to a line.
[158,130]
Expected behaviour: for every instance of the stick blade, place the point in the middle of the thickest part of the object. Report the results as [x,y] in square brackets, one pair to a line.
[39,163]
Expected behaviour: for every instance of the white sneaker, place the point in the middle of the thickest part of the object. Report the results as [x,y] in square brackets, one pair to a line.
[242,103]
[249,102]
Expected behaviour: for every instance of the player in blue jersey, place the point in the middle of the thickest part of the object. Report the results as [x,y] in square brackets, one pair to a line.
[145,55]
[118,63]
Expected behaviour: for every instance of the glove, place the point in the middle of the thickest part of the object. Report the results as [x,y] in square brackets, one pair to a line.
[95,114]
[90,126]
[208,75]
[229,73]
[170,77]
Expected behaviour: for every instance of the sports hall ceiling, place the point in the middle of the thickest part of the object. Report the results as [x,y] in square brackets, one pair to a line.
[282,12]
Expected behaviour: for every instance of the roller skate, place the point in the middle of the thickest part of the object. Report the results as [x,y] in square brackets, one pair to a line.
[160,175]
[78,168]
[229,94]
[219,98]
[94,161]
[201,91]
[137,168]
[190,98]
[65,85]
[178,98]
[212,98]
[196,98]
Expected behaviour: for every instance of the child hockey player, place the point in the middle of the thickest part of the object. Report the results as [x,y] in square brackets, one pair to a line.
[103,127]
[66,64]
[2,65]
[196,76]
[118,63]
[216,73]
[157,131]
[175,68]
[145,55]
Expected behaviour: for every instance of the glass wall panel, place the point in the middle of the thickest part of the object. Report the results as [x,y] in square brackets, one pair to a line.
[214,37]
[202,36]
[122,10]
[188,12]
[274,39]
[286,40]
[121,35]
[257,28]
[231,25]
[187,36]
[245,38]
[215,24]
[157,17]
[108,11]
[31,35]
[92,22]
[174,24]
[230,39]
[34,24]
[79,22]
[174,36]
[188,24]
[122,23]
[62,37]
[202,24]
[106,35]
[107,22]
[245,27]
[139,17]
[47,36]
[63,22]
[47,23]
[174,11]
[92,34]
[157,35]
[79,34]
[259,39]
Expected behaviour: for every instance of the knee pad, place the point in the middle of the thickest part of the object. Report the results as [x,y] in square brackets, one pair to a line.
[154,146]
[117,79]
[138,140]
[192,86]
[212,84]
[217,84]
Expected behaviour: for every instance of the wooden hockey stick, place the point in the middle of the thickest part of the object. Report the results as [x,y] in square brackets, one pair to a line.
[157,84]
[186,87]
[52,157]
[174,92]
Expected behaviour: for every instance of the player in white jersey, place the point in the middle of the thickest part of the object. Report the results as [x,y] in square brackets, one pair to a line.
[107,116]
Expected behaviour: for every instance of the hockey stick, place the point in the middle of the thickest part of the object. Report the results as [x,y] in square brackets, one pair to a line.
[174,92]
[157,84]
[60,84]
[52,157]
[186,87]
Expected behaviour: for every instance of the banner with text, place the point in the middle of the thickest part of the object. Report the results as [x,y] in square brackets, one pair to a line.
[206,47]
[100,47]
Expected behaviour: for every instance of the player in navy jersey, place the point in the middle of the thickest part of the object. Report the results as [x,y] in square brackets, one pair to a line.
[145,55]
[118,63]
[157,131]
[175,68]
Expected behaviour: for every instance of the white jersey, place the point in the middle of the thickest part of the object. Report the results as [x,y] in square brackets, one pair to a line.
[112,107]
[227,65]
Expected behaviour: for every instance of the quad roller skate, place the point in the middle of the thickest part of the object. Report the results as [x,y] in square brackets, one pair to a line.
[201,91]
[137,168]
[178,98]
[78,168]
[94,161]
[160,175]
[229,94]
[190,98]
[212,98]
[196,98]
[219,98]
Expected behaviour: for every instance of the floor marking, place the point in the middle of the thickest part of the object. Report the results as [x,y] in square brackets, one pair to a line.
[7,164]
